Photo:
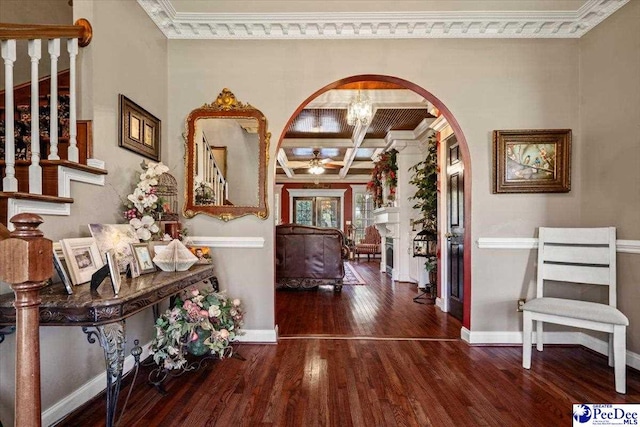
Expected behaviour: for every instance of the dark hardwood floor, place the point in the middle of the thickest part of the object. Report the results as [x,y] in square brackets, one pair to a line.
[337,365]
[382,308]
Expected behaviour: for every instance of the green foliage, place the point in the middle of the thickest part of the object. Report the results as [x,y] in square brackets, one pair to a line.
[424,177]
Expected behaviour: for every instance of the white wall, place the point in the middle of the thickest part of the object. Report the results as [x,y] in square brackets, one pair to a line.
[128,55]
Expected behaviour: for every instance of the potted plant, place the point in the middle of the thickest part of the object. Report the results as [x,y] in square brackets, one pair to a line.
[424,177]
[204,322]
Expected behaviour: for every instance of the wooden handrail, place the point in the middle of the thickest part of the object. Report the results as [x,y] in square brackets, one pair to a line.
[81,30]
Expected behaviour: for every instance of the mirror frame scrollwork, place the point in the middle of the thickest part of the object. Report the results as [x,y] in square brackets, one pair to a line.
[226,106]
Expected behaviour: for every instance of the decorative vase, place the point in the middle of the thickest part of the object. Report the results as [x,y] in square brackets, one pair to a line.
[197,347]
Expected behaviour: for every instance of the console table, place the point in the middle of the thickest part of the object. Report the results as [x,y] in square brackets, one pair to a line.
[102,315]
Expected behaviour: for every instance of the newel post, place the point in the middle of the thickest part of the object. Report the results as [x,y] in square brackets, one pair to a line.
[25,263]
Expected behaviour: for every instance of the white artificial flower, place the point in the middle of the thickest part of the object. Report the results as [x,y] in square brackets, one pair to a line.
[144,227]
[138,198]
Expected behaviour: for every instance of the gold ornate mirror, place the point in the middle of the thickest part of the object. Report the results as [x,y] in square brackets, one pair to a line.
[226,160]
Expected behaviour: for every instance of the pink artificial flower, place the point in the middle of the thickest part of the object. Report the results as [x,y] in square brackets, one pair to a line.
[194,336]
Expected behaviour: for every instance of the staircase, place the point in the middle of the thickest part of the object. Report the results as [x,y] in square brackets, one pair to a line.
[39,159]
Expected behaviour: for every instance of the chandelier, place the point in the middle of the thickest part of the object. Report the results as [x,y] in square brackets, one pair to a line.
[360,110]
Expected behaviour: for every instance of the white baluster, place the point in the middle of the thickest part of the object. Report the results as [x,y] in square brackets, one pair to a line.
[35,171]
[72,47]
[9,182]
[54,51]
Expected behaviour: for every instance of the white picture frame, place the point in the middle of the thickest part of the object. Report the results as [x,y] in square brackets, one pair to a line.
[82,257]
[114,271]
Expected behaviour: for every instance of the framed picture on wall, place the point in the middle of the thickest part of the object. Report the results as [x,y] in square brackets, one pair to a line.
[532,161]
[139,129]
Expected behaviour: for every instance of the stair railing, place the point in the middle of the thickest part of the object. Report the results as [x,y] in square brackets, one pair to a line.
[77,35]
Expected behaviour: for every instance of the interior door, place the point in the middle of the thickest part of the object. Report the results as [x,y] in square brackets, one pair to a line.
[317,211]
[455,227]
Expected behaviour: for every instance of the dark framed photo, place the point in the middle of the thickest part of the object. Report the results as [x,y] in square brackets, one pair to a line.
[532,161]
[143,258]
[114,271]
[139,129]
[60,265]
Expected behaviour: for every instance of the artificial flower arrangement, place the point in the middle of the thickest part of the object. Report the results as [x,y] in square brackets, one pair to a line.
[205,322]
[143,206]
[384,169]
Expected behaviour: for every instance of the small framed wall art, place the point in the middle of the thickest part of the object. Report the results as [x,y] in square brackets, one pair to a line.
[139,129]
[82,257]
[532,161]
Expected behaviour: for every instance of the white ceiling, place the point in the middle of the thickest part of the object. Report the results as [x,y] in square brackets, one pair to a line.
[359,19]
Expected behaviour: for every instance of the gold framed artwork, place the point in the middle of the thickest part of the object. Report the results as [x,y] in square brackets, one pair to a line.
[139,129]
[82,257]
[532,161]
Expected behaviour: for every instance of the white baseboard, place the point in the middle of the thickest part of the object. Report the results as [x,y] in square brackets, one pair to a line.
[579,338]
[98,384]
[86,392]
[263,336]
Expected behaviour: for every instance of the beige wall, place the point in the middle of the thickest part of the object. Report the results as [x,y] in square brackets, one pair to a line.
[127,55]
[610,125]
[487,84]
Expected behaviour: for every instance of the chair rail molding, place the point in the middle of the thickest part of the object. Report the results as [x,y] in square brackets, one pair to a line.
[226,242]
[622,246]
[379,25]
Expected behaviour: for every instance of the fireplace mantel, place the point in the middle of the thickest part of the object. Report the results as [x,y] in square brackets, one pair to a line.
[387,220]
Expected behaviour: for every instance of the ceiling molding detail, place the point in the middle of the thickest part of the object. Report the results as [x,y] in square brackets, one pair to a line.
[379,25]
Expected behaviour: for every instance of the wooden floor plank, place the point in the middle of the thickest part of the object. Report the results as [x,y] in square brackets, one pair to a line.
[378,373]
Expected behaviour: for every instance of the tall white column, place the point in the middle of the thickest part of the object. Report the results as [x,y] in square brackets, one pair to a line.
[54,52]
[9,182]
[72,47]
[35,171]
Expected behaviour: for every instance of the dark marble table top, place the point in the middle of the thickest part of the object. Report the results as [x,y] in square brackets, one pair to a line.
[92,308]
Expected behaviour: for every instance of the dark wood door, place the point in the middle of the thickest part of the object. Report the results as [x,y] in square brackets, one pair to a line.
[455,227]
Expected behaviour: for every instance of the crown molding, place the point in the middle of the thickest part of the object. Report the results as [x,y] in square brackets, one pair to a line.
[379,25]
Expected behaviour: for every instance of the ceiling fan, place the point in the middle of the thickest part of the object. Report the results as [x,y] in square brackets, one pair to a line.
[317,166]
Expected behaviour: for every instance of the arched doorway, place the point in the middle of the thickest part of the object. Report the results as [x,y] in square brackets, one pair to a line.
[463,153]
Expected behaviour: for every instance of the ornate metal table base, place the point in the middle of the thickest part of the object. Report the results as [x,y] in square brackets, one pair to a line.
[111,337]
[158,375]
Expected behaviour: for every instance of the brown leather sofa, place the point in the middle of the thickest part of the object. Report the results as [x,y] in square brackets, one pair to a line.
[309,256]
